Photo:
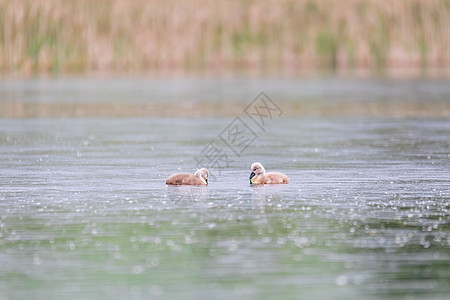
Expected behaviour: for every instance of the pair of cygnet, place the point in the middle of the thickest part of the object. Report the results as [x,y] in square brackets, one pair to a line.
[257,176]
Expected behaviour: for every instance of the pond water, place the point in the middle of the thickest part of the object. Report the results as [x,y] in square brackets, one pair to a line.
[85,212]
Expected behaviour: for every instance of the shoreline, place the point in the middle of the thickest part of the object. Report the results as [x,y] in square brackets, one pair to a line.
[300,108]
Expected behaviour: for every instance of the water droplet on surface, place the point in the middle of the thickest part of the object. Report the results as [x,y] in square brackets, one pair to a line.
[138,269]
[36,259]
[341,280]
[72,246]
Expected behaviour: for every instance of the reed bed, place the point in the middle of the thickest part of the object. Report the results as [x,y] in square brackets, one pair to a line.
[136,35]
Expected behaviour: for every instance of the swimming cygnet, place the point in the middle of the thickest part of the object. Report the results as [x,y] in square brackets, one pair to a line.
[259,175]
[199,178]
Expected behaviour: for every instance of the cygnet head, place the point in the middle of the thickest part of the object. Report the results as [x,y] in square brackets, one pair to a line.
[202,173]
[257,169]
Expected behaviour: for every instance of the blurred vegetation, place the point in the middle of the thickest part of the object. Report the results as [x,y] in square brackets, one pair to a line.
[309,108]
[94,35]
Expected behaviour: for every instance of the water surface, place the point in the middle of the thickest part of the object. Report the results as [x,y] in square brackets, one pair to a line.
[85,212]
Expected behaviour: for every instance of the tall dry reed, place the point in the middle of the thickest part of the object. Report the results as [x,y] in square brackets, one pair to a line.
[105,35]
